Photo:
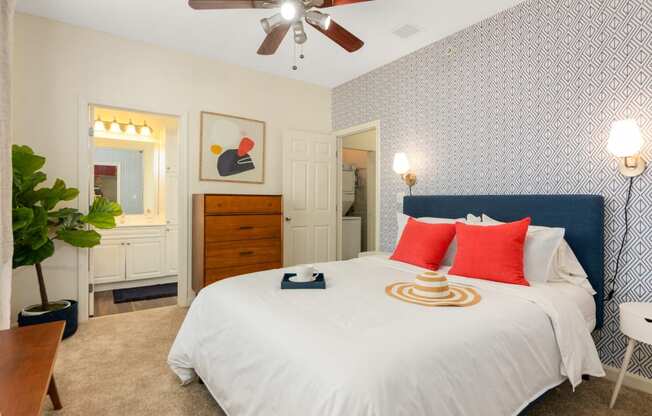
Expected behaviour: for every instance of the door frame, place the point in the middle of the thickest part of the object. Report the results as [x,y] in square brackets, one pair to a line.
[361,128]
[85,157]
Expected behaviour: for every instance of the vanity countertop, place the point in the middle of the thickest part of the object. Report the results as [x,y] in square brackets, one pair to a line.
[149,224]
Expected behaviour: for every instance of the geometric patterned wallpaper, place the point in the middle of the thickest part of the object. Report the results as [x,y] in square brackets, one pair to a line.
[522,103]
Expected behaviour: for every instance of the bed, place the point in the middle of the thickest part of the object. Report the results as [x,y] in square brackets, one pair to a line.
[352,350]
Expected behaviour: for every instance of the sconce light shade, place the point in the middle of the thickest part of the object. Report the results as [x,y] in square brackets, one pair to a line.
[131,129]
[99,125]
[145,130]
[625,138]
[115,127]
[401,163]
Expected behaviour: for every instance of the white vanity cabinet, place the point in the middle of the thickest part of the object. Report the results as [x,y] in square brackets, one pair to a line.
[108,261]
[131,253]
[172,249]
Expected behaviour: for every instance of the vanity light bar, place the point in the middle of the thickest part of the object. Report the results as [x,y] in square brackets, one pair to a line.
[101,126]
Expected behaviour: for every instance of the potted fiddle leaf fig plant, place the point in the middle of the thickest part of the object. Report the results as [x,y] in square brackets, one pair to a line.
[37,223]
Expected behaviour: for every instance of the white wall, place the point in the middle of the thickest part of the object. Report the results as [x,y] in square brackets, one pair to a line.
[56,65]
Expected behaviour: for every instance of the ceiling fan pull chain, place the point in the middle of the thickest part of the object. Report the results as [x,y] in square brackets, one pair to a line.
[294,48]
[301,55]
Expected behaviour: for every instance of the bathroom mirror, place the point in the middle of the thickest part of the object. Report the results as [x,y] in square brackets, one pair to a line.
[126,172]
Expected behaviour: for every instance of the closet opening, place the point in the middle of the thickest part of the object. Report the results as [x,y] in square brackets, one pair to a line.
[358,193]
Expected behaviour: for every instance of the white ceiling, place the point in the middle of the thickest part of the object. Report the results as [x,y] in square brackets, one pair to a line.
[234,35]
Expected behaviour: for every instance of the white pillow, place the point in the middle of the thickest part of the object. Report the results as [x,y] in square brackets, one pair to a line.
[568,269]
[472,219]
[565,266]
[402,219]
[541,246]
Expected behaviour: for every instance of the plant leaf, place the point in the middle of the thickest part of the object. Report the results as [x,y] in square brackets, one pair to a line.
[102,213]
[24,161]
[80,238]
[21,217]
[27,256]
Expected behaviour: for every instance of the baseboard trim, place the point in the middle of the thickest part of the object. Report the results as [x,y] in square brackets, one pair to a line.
[633,381]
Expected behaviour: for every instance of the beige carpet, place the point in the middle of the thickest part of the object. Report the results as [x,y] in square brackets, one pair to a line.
[116,365]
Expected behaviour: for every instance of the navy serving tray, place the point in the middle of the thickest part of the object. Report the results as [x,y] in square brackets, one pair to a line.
[318,283]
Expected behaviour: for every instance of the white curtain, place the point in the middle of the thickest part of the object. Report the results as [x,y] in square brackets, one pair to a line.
[7,8]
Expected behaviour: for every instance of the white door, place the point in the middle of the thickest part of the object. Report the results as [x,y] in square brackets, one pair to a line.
[144,258]
[108,261]
[172,250]
[309,185]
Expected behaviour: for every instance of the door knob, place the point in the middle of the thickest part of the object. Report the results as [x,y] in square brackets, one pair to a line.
[288,219]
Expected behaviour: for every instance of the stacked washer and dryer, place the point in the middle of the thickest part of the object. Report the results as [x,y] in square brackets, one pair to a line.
[351,226]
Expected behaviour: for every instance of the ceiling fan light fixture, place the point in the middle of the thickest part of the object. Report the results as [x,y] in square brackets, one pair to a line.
[289,10]
[318,18]
[271,23]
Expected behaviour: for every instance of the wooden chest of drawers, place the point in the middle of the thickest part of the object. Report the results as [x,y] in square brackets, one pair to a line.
[234,235]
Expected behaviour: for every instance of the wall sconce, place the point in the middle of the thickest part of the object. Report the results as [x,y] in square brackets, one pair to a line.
[402,167]
[625,142]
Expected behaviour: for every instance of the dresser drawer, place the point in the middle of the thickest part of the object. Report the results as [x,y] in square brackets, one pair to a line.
[241,204]
[213,275]
[228,254]
[242,227]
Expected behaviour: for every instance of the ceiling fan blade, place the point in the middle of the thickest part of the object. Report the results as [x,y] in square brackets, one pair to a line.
[273,40]
[341,36]
[333,3]
[227,4]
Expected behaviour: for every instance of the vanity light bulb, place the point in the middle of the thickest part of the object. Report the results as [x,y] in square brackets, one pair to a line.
[131,129]
[115,127]
[145,131]
[625,138]
[99,125]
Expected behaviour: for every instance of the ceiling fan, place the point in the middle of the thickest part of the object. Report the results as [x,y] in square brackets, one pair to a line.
[291,15]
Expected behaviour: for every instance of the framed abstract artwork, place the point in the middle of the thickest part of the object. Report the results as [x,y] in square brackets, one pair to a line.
[232,149]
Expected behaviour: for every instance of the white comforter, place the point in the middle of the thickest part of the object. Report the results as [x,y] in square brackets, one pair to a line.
[352,350]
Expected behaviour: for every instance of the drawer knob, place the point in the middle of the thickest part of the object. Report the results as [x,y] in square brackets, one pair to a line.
[648,320]
[246,253]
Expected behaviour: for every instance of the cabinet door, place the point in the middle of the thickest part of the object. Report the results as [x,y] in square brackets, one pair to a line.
[172,250]
[144,258]
[108,261]
[171,199]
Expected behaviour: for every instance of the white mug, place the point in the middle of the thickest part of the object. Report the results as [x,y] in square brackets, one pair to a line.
[305,273]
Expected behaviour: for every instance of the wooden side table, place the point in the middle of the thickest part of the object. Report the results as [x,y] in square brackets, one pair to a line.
[636,324]
[27,357]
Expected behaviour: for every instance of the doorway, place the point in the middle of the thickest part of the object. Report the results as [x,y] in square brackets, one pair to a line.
[134,159]
[358,191]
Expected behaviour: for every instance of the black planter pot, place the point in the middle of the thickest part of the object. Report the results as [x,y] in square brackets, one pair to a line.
[69,315]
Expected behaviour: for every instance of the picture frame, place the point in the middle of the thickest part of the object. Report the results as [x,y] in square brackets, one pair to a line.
[231,148]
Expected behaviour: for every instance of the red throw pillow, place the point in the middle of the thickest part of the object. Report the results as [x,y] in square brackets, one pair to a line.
[491,252]
[423,244]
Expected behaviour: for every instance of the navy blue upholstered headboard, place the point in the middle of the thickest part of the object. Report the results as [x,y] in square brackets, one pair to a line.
[581,215]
